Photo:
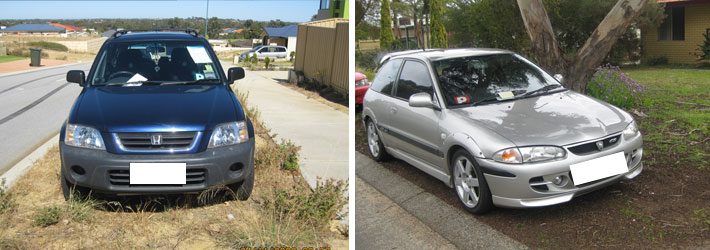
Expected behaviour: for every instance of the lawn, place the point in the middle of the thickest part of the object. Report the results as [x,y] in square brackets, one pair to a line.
[10,58]
[667,206]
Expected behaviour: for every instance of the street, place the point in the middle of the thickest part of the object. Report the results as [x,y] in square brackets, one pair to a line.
[33,106]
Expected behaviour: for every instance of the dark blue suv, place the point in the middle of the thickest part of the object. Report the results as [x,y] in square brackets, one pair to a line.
[156,115]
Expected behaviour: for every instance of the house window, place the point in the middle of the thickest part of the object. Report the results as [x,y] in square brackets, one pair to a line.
[324,4]
[673,27]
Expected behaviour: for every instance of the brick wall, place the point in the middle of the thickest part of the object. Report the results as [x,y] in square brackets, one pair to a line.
[697,20]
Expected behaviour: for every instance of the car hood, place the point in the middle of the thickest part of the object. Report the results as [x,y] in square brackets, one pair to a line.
[555,119]
[156,108]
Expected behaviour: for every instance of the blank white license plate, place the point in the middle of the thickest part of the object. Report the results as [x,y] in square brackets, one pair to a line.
[598,168]
[157,173]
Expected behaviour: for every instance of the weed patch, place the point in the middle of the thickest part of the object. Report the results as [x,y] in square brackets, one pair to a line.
[5,198]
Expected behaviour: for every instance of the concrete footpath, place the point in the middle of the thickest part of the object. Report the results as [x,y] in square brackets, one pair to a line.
[321,131]
[382,224]
[435,217]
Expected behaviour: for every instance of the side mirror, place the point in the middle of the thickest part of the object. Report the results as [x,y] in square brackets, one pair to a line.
[76,76]
[235,73]
[558,77]
[421,100]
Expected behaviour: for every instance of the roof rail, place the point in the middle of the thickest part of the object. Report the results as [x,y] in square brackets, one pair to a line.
[405,52]
[123,32]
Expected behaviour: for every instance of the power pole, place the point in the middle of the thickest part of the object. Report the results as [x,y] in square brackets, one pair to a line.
[207,14]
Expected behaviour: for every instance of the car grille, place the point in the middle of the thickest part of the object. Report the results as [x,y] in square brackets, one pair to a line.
[143,141]
[592,146]
[123,176]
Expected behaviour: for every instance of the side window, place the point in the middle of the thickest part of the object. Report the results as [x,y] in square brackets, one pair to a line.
[264,50]
[414,79]
[282,49]
[384,80]
[272,49]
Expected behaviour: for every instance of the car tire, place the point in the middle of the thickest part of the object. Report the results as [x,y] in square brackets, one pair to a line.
[374,142]
[68,187]
[242,190]
[470,184]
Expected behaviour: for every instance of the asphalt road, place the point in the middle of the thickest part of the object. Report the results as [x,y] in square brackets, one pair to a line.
[33,106]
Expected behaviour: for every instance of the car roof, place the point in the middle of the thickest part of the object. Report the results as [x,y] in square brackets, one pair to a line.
[157,35]
[440,54]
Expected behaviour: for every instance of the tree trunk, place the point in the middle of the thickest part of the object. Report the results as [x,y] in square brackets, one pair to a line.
[579,70]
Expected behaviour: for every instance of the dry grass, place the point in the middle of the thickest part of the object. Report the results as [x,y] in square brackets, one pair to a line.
[41,219]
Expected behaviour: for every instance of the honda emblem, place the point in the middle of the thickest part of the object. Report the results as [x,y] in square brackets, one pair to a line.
[156,139]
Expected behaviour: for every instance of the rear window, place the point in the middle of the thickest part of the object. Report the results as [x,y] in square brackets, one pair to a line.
[154,61]
[386,76]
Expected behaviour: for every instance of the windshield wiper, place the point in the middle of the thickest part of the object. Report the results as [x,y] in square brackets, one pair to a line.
[489,99]
[189,82]
[543,89]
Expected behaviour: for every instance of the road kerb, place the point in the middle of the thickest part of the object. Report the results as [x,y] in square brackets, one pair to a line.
[459,227]
[21,167]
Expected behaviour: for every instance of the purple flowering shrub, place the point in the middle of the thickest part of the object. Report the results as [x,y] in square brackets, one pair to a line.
[611,85]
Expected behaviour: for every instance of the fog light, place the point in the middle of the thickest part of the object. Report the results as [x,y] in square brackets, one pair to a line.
[558,180]
[78,170]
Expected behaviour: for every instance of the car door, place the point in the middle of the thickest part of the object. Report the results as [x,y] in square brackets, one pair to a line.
[380,99]
[262,53]
[415,130]
[280,52]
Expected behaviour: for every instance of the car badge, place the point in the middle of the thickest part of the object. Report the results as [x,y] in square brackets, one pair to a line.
[612,140]
[600,145]
[156,139]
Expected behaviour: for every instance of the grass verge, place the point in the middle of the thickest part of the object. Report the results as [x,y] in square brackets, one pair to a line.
[10,58]
[39,217]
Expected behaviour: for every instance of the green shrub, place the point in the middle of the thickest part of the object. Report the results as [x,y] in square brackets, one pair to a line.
[47,216]
[659,60]
[366,59]
[611,85]
[5,198]
[317,207]
[293,53]
[48,45]
[266,62]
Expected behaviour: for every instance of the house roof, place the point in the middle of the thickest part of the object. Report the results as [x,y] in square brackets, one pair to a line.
[286,31]
[33,28]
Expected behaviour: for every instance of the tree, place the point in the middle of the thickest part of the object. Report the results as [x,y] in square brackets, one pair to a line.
[438,31]
[577,71]
[487,24]
[386,35]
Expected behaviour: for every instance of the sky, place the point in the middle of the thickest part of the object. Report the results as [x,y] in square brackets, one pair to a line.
[261,10]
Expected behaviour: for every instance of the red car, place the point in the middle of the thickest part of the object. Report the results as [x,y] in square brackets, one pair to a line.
[361,87]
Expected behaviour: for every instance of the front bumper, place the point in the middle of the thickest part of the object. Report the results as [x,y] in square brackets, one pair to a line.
[108,173]
[530,185]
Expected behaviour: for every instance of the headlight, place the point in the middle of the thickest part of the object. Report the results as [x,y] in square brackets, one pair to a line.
[362,82]
[83,136]
[229,134]
[631,130]
[529,154]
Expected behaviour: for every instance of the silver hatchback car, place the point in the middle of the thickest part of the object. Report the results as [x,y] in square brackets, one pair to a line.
[497,128]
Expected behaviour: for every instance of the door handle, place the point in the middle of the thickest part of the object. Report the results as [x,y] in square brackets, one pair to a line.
[393,110]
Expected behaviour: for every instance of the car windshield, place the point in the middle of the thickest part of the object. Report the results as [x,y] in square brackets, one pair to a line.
[155,62]
[477,79]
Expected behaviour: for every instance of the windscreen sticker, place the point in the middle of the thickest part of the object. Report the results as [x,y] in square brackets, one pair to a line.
[208,67]
[199,76]
[137,78]
[506,95]
[462,99]
[199,54]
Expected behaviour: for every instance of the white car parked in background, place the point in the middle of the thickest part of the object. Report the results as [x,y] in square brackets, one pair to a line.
[263,51]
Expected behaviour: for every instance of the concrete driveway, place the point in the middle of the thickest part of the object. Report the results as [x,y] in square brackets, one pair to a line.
[321,131]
